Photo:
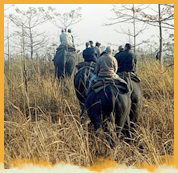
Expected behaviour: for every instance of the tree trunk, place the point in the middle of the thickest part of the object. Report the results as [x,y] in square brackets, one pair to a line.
[31,44]
[134,29]
[160,38]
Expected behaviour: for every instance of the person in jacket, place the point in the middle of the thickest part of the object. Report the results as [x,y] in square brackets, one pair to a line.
[120,49]
[94,49]
[106,66]
[89,53]
[71,36]
[126,60]
[97,48]
[63,37]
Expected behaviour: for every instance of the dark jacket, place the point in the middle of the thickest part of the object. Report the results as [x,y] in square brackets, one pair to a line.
[117,54]
[89,55]
[126,61]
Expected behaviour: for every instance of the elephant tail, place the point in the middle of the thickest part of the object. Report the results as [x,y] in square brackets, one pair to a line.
[111,95]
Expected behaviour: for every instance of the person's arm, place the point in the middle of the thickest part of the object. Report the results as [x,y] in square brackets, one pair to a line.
[97,67]
[115,66]
[72,39]
[60,37]
[83,55]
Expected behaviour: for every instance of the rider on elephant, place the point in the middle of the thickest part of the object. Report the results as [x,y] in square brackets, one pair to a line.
[66,40]
[126,60]
[70,35]
[106,66]
[120,49]
[97,48]
[94,49]
[89,53]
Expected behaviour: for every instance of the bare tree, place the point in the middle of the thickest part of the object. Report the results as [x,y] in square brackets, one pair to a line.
[29,21]
[65,20]
[7,37]
[163,18]
[127,14]
[160,37]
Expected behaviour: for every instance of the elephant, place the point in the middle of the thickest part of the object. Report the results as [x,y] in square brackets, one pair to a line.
[108,98]
[81,81]
[64,61]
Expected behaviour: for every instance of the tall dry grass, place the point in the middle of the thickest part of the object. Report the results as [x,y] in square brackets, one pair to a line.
[29,114]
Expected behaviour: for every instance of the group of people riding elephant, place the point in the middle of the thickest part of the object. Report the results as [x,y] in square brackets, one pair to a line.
[66,54]
[106,86]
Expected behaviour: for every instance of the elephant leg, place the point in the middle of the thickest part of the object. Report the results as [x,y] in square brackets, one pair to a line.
[97,121]
[136,106]
[60,71]
[122,114]
[127,130]
[95,118]
[70,66]
[135,112]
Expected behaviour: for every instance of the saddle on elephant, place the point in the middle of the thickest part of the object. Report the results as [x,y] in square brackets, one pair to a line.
[66,47]
[100,83]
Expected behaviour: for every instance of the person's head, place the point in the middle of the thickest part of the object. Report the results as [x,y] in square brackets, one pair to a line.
[69,30]
[121,48]
[87,44]
[98,44]
[109,50]
[91,43]
[128,46]
[62,30]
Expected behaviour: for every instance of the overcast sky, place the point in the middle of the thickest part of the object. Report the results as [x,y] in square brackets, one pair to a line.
[91,27]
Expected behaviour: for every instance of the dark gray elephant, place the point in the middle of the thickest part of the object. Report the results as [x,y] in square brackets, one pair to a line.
[81,81]
[64,62]
[108,98]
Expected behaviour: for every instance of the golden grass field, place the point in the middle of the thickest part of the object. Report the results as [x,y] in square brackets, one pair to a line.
[69,141]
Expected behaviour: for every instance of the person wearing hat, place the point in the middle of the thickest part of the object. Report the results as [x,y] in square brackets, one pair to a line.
[88,53]
[126,60]
[106,66]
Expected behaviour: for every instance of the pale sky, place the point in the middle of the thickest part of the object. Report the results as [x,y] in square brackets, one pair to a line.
[91,27]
